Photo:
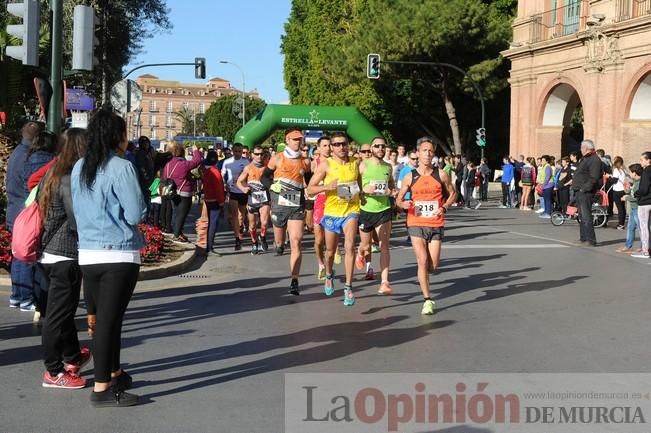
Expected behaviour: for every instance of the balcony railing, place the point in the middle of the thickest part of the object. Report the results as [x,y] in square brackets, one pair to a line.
[628,9]
[559,22]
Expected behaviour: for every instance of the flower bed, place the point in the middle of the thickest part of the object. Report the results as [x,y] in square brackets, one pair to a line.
[5,247]
[154,242]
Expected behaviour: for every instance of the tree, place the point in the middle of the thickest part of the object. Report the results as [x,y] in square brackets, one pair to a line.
[327,41]
[186,116]
[221,120]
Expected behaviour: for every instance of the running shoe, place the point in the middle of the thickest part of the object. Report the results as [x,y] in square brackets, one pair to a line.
[359,262]
[293,287]
[385,289]
[84,358]
[639,255]
[254,249]
[375,248]
[337,257]
[263,244]
[349,297]
[238,244]
[28,307]
[63,380]
[540,210]
[329,285]
[280,250]
[320,274]
[370,275]
[428,307]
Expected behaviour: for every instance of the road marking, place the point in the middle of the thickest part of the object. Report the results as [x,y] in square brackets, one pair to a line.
[493,246]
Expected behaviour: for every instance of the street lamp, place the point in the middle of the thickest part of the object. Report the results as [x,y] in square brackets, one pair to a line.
[243,89]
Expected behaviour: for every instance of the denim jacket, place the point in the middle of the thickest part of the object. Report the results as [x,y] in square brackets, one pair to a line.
[108,214]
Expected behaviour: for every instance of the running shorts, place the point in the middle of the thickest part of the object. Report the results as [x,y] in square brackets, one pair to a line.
[336,224]
[428,233]
[369,221]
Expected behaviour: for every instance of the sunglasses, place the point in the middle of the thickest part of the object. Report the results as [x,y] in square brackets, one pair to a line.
[257,153]
[296,139]
[364,151]
[339,144]
[414,159]
[378,146]
[305,150]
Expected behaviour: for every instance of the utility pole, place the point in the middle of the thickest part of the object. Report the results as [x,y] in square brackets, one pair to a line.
[56,70]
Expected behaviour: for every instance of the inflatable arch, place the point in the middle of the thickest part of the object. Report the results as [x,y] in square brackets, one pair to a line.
[273,116]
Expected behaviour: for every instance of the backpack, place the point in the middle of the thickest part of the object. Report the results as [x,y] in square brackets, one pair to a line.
[436,175]
[27,232]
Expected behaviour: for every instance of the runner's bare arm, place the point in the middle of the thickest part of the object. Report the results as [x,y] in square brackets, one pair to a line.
[314,188]
[400,201]
[452,192]
[242,183]
[267,177]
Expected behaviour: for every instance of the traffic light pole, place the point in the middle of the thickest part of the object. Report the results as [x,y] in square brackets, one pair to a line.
[458,69]
[56,70]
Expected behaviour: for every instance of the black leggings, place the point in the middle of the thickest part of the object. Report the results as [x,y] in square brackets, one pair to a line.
[166,212]
[182,205]
[59,334]
[621,207]
[108,288]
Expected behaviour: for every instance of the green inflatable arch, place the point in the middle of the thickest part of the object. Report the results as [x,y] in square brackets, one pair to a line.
[274,116]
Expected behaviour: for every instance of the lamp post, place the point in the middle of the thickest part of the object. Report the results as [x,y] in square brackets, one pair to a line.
[243,90]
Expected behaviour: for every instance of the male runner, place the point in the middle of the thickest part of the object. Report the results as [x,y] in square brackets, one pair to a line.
[340,177]
[376,178]
[323,146]
[286,170]
[432,194]
[231,171]
[250,182]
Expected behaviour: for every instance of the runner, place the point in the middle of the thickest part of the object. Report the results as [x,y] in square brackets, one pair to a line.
[323,146]
[340,177]
[288,170]
[376,177]
[250,182]
[236,199]
[426,210]
[309,201]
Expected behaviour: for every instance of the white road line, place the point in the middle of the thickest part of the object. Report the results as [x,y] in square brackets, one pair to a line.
[494,246]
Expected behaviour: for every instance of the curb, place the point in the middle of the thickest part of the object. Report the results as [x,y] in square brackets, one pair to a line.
[165,270]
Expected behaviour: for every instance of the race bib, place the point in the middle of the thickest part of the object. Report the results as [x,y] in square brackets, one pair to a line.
[379,187]
[426,209]
[259,197]
[290,199]
[346,191]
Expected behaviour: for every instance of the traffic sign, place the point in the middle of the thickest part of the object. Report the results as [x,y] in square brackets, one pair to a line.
[126,96]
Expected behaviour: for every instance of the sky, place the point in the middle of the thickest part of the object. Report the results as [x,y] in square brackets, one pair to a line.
[244,32]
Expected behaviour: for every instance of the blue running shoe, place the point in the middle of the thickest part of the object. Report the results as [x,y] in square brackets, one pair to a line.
[329,285]
[349,297]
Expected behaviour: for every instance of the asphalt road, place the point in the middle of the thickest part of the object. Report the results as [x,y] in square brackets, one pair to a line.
[208,349]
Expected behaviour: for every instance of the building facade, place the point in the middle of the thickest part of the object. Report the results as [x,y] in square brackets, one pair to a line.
[161,99]
[574,60]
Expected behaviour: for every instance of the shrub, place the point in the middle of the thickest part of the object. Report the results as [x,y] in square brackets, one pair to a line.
[154,241]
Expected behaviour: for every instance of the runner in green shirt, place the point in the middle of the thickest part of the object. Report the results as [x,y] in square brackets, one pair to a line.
[377,185]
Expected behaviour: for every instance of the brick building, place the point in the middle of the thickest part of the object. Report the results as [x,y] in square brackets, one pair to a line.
[162,98]
[589,54]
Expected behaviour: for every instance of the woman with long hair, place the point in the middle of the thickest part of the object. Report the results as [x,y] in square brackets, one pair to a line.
[527,179]
[619,181]
[62,354]
[108,205]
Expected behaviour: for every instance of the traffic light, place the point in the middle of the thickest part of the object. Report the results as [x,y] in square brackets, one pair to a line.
[373,66]
[84,40]
[481,137]
[200,68]
[27,31]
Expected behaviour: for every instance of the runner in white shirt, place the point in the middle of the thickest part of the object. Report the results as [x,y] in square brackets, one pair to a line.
[231,171]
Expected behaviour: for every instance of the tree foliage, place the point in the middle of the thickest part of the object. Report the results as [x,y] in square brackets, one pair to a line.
[221,119]
[326,44]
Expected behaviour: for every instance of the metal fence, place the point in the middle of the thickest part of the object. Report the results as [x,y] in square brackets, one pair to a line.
[561,21]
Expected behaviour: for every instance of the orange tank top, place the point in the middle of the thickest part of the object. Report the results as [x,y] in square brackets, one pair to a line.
[291,171]
[427,196]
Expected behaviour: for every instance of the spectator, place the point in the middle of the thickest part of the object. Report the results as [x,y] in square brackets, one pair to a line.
[471,203]
[619,180]
[403,157]
[485,173]
[643,196]
[547,185]
[179,169]
[458,171]
[213,189]
[396,167]
[517,187]
[155,201]
[22,280]
[563,184]
[633,219]
[527,176]
[507,183]
[108,206]
[62,354]
[586,181]
[145,163]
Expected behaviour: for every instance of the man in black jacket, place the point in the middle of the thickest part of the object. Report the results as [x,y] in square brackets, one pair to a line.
[585,183]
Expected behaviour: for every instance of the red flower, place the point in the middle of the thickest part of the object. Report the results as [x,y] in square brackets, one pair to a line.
[154,241]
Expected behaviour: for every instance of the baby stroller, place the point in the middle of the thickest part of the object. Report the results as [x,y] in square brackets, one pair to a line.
[599,211]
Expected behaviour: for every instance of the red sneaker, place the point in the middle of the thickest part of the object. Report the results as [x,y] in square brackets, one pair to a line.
[84,357]
[359,262]
[63,380]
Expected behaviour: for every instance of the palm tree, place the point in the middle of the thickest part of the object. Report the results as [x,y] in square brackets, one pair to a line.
[186,116]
